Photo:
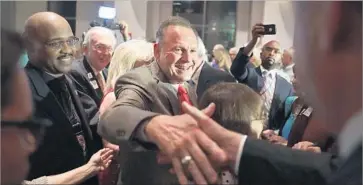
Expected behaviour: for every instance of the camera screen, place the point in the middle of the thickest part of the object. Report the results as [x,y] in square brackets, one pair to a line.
[106,12]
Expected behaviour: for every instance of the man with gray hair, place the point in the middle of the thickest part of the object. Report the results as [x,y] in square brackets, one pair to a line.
[147,98]
[91,74]
[205,75]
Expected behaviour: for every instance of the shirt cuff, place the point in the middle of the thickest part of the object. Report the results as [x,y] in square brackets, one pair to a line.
[239,153]
[140,132]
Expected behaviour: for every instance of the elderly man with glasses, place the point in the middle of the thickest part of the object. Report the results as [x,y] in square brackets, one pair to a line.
[69,141]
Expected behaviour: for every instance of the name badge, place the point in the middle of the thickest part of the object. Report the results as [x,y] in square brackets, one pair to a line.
[308,111]
[94,84]
[89,75]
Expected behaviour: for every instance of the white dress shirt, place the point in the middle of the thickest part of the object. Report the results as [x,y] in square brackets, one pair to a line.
[287,72]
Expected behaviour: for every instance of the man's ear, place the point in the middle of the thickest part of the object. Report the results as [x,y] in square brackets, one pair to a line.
[157,50]
[84,49]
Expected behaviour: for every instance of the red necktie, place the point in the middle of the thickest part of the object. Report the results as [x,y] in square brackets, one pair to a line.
[183,95]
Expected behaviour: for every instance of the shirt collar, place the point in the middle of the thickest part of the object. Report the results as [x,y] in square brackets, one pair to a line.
[289,66]
[93,69]
[268,72]
[351,135]
[49,76]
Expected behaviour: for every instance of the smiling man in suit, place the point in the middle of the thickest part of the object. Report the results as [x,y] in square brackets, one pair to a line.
[147,98]
[68,142]
[265,79]
[328,42]
[90,74]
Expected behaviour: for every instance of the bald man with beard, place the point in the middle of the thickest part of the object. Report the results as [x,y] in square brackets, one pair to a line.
[266,79]
[69,142]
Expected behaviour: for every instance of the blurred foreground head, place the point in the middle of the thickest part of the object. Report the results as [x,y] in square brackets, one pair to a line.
[17,142]
[328,55]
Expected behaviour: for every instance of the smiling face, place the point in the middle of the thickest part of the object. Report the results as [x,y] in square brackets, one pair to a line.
[51,43]
[99,51]
[176,54]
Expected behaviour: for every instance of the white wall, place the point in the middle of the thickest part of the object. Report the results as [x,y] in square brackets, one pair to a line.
[135,14]
[281,14]
[243,17]
[7,14]
[157,11]
[86,12]
[24,9]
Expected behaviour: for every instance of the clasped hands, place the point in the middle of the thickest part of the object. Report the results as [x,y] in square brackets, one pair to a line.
[196,146]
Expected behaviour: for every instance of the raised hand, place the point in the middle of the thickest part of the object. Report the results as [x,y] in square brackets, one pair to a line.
[101,160]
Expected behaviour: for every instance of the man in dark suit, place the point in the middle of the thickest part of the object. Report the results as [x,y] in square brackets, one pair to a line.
[147,98]
[336,94]
[265,79]
[69,142]
[91,73]
[206,75]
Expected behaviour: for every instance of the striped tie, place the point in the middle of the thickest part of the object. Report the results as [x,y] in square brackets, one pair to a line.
[267,91]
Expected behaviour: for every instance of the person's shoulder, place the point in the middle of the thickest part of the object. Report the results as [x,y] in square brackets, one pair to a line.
[78,67]
[283,75]
[139,76]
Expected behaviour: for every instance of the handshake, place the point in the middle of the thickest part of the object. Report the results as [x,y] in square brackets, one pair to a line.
[196,146]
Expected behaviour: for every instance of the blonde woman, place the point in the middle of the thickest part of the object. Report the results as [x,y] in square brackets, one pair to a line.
[222,59]
[127,55]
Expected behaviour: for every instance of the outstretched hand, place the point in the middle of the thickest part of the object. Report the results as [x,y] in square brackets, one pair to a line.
[101,160]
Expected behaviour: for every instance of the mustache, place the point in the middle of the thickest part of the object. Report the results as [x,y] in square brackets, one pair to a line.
[66,55]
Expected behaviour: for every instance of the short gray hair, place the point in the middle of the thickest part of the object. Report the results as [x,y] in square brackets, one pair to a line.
[202,52]
[172,21]
[99,29]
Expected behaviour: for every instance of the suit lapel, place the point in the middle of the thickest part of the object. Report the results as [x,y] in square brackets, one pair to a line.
[79,108]
[163,84]
[275,99]
[259,80]
[203,80]
[44,95]
[92,79]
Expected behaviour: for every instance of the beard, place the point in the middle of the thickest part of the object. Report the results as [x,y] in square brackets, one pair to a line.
[270,63]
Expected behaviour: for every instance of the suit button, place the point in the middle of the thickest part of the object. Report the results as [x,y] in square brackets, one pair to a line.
[120,133]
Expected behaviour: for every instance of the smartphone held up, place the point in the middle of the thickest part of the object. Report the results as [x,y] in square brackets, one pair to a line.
[270,29]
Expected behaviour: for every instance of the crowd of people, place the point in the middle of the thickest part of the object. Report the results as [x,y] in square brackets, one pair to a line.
[92,111]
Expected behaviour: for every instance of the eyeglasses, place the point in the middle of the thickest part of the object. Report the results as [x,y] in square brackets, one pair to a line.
[35,126]
[56,45]
[101,47]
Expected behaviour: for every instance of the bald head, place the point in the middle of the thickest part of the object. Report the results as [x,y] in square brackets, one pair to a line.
[43,25]
[45,34]
[270,54]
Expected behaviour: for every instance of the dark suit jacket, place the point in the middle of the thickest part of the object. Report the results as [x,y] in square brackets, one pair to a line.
[253,78]
[265,163]
[84,75]
[350,172]
[210,76]
[141,94]
[60,151]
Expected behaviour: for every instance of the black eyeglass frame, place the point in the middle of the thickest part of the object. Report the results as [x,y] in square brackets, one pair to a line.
[35,125]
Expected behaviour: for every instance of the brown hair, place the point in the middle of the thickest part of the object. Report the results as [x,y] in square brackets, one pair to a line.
[238,107]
